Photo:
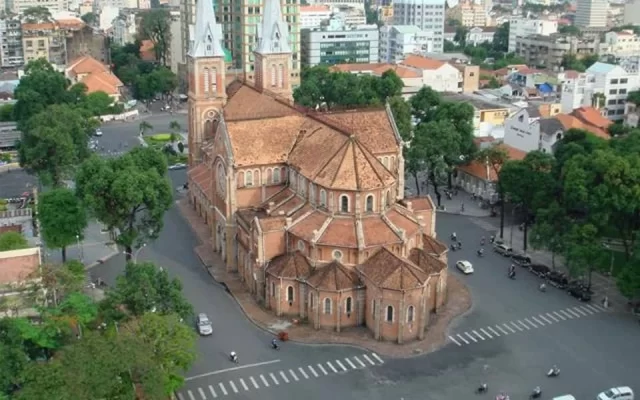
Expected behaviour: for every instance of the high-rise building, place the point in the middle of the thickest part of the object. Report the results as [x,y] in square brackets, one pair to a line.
[523,27]
[12,54]
[428,15]
[53,6]
[338,43]
[592,13]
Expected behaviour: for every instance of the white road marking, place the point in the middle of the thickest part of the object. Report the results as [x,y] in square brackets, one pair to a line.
[324,371]
[341,365]
[224,390]
[377,357]
[546,320]
[570,311]
[566,314]
[191,396]
[509,328]
[293,374]
[303,373]
[523,324]
[463,339]
[538,321]
[562,317]
[213,392]
[204,397]
[273,378]
[516,326]
[471,337]
[313,371]
[597,307]
[478,335]
[502,330]
[360,362]
[530,323]
[552,317]
[579,311]
[180,396]
[253,381]
[221,371]
[244,385]
[233,386]
[332,367]
[454,341]
[486,333]
[352,365]
[493,331]
[368,359]
[585,309]
[284,377]
[264,381]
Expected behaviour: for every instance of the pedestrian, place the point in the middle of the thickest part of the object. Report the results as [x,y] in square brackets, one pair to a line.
[605,302]
[462,206]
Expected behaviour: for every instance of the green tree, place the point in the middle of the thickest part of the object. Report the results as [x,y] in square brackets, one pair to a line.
[569,30]
[156,26]
[550,230]
[35,15]
[98,103]
[12,241]
[129,194]
[54,142]
[634,97]
[402,116]
[181,147]
[493,83]
[13,357]
[144,127]
[6,113]
[628,280]
[461,35]
[501,38]
[144,288]
[89,18]
[62,219]
[58,281]
[495,157]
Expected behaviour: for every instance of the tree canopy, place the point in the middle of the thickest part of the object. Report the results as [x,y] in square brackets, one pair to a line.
[156,26]
[62,219]
[12,241]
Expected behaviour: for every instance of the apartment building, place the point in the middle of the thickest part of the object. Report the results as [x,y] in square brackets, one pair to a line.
[313,16]
[622,44]
[632,12]
[428,15]
[340,44]
[124,29]
[591,13]
[45,40]
[54,6]
[548,51]
[174,55]
[522,27]
[469,13]
[603,83]
[398,41]
[12,54]
[475,35]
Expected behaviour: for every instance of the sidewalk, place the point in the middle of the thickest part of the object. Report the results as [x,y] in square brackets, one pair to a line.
[459,303]
[472,208]
[95,249]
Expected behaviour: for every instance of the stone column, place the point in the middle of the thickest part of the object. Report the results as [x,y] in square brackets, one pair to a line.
[302,299]
[424,314]
[400,319]
[317,323]
[378,329]
[230,249]
[278,297]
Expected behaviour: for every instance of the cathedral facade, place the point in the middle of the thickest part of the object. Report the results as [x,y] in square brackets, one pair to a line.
[308,207]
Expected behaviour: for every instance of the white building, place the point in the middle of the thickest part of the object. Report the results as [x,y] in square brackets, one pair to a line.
[428,15]
[520,131]
[398,41]
[313,16]
[632,13]
[475,35]
[612,81]
[124,29]
[523,27]
[54,6]
[592,13]
[12,54]
[117,3]
[439,75]
[106,17]
[622,44]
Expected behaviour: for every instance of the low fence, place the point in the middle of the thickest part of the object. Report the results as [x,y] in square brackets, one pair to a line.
[23,212]
[120,117]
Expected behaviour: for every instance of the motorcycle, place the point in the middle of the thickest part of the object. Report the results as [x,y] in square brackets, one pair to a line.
[233,357]
[535,394]
[480,253]
[512,274]
[542,287]
[553,372]
[483,388]
[453,247]
[275,346]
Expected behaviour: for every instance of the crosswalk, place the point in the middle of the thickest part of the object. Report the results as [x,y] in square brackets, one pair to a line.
[282,377]
[529,323]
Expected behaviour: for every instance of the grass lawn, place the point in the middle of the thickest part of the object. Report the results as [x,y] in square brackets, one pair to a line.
[160,137]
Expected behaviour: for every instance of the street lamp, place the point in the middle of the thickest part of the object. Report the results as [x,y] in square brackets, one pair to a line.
[135,255]
[608,246]
[79,243]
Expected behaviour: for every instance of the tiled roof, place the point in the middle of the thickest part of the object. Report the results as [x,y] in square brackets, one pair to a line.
[102,82]
[591,116]
[70,23]
[334,277]
[46,26]
[246,103]
[378,69]
[433,246]
[426,262]
[314,8]
[570,122]
[422,62]
[419,203]
[371,126]
[290,266]
[17,265]
[388,271]
[486,172]
[86,65]
[341,232]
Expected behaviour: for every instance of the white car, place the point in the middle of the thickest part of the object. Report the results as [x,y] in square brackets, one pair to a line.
[204,325]
[98,132]
[177,166]
[617,393]
[465,267]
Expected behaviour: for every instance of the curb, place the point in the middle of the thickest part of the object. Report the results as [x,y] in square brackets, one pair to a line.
[474,215]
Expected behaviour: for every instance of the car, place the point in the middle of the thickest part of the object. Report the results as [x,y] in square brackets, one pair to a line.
[579,291]
[540,269]
[503,249]
[98,132]
[558,279]
[465,267]
[204,325]
[522,260]
[564,397]
[617,393]
[177,166]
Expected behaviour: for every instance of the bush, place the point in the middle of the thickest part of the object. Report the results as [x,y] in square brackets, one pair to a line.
[160,137]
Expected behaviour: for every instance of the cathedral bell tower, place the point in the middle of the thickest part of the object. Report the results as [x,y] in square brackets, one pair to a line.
[273,53]
[206,72]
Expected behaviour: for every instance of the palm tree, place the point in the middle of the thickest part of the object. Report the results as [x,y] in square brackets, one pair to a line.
[144,127]
[175,127]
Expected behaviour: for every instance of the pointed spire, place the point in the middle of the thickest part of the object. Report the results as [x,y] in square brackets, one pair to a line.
[208,34]
[274,32]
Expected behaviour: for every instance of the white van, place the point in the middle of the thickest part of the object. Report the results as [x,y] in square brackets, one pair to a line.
[565,397]
[617,393]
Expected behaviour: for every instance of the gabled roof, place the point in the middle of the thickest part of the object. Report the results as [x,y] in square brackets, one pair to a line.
[334,277]
[533,112]
[102,82]
[388,271]
[426,262]
[290,266]
[86,65]
[569,121]
[486,172]
[433,246]
[423,63]
[591,116]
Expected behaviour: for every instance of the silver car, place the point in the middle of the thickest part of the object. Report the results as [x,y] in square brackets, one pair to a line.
[204,325]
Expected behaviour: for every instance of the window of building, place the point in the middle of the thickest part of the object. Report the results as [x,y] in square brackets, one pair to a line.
[614,81]
[276,175]
[301,245]
[389,313]
[389,201]
[327,305]
[613,91]
[323,198]
[337,254]
[206,80]
[624,80]
[273,289]
[620,112]
[410,312]
[611,102]
[369,203]
[248,178]
[344,203]
[622,91]
[348,305]
[521,118]
[292,178]
[290,294]
[312,193]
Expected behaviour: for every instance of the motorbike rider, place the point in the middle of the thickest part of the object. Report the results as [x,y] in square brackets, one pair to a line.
[542,287]
[481,251]
[454,237]
[233,356]
[482,241]
[537,391]
[483,388]
[274,343]
[555,370]
[512,268]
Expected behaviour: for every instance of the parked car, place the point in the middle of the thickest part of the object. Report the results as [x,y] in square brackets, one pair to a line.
[465,267]
[617,393]
[204,325]
[503,249]
[540,269]
[177,166]
[98,132]
[522,260]
[579,291]
[558,279]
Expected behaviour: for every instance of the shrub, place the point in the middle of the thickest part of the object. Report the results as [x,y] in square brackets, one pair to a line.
[161,137]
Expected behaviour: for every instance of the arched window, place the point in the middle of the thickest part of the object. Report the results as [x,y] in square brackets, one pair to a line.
[274,76]
[369,203]
[410,312]
[344,203]
[348,305]
[248,178]
[385,162]
[276,175]
[389,313]
[281,75]
[323,198]
[214,80]
[327,305]
[206,80]
[392,163]
[389,199]
[301,246]
[290,294]
[374,309]
[273,289]
[256,177]
[383,200]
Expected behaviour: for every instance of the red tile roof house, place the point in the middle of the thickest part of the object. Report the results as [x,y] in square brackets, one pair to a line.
[17,268]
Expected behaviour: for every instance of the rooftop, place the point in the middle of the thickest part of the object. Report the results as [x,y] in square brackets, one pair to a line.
[601,68]
[17,265]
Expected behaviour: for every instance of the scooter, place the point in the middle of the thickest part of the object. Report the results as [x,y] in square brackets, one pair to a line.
[536,393]
[553,372]
[480,253]
[483,388]
[233,358]
[512,274]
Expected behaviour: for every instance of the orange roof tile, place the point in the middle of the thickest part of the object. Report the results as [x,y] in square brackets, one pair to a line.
[341,232]
[388,271]
[487,172]
[378,69]
[422,62]
[86,65]
[570,122]
[377,232]
[426,261]
[334,277]
[591,116]
[70,23]
[246,103]
[401,221]
[314,8]
[419,203]
[433,246]
[372,127]
[307,227]
[357,67]
[102,82]
[45,26]
[290,266]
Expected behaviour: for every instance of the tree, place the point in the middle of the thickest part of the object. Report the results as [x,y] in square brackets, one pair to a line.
[156,26]
[129,194]
[89,18]
[12,241]
[628,281]
[145,288]
[181,147]
[58,281]
[619,129]
[98,103]
[501,38]
[62,219]
[569,30]
[13,357]
[54,142]
[35,15]
[175,126]
[144,127]
[493,83]
[6,113]
[402,116]
[461,35]
[495,157]
[634,97]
